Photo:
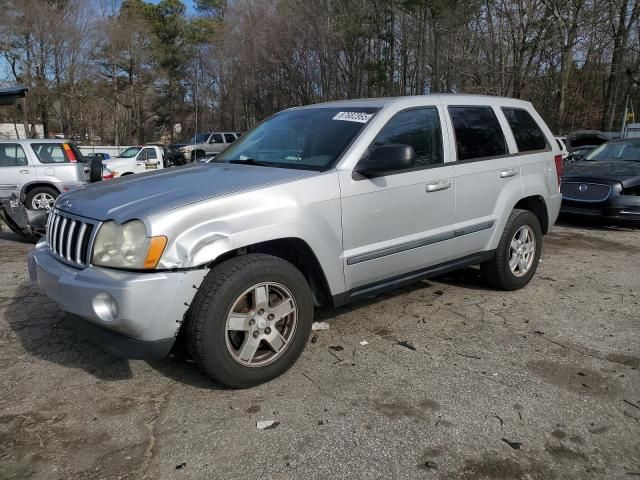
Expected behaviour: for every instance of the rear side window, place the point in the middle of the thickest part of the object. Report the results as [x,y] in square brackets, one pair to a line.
[478,132]
[12,155]
[526,131]
[229,138]
[419,128]
[56,152]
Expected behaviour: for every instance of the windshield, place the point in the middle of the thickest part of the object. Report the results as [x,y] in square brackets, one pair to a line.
[199,138]
[310,138]
[624,151]
[130,152]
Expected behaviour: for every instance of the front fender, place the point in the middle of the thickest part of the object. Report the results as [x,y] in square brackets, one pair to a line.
[307,209]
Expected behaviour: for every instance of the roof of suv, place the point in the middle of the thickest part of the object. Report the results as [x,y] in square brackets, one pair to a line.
[384,101]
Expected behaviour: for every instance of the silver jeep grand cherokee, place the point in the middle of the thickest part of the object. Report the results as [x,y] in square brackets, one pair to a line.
[324,204]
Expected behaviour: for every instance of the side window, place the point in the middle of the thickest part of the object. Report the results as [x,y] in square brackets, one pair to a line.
[12,155]
[216,138]
[229,138]
[526,131]
[50,153]
[419,128]
[478,132]
[151,154]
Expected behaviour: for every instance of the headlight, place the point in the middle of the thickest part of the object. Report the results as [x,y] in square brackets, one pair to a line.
[127,246]
[184,149]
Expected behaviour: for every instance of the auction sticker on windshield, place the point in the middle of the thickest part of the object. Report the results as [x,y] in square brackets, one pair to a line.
[360,117]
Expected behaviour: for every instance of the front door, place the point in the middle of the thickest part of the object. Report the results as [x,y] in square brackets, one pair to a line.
[15,170]
[399,222]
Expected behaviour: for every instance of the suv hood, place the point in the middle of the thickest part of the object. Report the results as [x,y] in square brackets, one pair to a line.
[142,195]
[625,172]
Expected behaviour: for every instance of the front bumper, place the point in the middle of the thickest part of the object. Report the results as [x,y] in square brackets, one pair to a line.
[620,207]
[133,315]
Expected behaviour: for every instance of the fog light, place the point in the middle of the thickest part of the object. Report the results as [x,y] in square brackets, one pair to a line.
[105,307]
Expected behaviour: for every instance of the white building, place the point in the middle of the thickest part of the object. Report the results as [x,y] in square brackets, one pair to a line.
[12,131]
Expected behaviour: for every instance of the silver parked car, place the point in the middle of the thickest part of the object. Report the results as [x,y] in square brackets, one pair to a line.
[324,204]
[40,170]
[207,144]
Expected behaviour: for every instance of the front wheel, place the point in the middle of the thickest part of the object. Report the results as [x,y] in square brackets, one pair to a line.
[518,252]
[250,320]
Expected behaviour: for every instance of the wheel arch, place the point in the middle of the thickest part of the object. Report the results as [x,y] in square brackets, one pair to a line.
[30,186]
[536,205]
[297,252]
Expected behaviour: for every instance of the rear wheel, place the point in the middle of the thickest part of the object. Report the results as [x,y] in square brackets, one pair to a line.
[250,320]
[41,198]
[518,252]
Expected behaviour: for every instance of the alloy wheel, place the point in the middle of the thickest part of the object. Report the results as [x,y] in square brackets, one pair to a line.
[522,251]
[261,324]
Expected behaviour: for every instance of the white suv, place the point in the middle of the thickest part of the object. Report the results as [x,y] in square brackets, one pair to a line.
[324,204]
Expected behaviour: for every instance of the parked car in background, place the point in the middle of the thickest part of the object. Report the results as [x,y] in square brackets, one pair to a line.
[579,153]
[97,155]
[606,183]
[206,144]
[584,140]
[136,160]
[324,204]
[40,170]
[173,156]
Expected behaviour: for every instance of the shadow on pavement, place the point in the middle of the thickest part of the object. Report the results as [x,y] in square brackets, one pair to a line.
[46,333]
[179,367]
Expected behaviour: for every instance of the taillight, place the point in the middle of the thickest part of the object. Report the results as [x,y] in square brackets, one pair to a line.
[559,166]
[69,151]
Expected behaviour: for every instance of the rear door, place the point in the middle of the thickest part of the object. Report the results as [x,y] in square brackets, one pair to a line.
[487,174]
[15,170]
[399,222]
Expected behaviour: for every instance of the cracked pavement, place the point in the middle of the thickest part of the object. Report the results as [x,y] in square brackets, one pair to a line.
[542,383]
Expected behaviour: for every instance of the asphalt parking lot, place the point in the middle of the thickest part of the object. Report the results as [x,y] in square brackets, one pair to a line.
[457,381]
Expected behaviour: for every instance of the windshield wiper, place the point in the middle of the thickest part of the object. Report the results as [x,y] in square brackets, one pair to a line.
[249,161]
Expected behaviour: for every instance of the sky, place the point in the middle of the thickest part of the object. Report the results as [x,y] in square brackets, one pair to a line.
[6,78]
[188,3]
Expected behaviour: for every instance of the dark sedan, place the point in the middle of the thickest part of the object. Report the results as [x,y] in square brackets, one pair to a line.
[605,183]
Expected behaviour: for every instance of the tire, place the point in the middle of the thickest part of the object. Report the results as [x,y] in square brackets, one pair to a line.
[498,271]
[218,350]
[36,196]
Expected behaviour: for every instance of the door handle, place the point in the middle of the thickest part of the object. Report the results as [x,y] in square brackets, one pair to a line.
[25,171]
[509,173]
[437,186]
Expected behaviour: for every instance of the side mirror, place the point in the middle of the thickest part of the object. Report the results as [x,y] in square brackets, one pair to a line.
[387,158]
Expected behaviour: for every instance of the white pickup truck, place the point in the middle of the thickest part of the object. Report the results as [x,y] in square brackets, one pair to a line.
[136,160]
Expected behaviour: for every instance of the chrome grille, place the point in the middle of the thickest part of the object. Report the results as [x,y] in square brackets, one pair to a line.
[70,237]
[585,192]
